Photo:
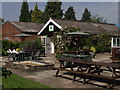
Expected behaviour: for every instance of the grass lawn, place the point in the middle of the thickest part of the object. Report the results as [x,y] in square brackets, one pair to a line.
[15,81]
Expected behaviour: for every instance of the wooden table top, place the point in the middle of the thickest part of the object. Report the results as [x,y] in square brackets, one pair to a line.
[114,65]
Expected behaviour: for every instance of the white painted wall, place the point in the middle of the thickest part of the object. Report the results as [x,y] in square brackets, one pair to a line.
[52,48]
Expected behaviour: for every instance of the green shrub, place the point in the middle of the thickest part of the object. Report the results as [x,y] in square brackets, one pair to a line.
[32,44]
[5,72]
[16,44]
[58,55]
[6,44]
[102,43]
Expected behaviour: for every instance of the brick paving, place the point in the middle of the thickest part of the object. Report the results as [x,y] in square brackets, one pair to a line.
[65,81]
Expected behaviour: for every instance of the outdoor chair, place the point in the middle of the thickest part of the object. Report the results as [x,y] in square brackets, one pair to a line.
[10,56]
[27,56]
[14,56]
[37,55]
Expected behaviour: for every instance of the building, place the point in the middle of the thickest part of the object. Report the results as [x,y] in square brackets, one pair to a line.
[45,31]
[12,28]
[54,25]
[115,44]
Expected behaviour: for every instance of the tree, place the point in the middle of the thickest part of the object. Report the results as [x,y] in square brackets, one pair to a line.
[70,14]
[36,14]
[24,16]
[2,20]
[86,16]
[1,23]
[98,19]
[53,9]
[30,14]
[102,42]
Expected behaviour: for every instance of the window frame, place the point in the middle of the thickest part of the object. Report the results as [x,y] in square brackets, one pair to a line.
[115,41]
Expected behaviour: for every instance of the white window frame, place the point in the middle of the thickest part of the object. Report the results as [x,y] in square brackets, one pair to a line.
[116,42]
[43,40]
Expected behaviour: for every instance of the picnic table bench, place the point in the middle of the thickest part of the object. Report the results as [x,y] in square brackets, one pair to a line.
[91,70]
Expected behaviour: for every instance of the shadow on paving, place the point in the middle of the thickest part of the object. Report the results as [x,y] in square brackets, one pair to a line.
[115,82]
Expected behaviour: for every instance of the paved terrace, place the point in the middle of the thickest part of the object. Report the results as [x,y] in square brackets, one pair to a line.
[47,76]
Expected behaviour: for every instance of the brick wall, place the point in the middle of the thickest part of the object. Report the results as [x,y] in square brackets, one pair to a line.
[8,30]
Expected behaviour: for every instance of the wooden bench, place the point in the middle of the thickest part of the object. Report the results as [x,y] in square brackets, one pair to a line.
[111,81]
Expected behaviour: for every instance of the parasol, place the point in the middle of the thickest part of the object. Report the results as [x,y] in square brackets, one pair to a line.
[78,35]
[22,36]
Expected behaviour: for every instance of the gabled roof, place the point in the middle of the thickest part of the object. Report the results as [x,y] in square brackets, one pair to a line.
[49,21]
[89,27]
[28,26]
[93,28]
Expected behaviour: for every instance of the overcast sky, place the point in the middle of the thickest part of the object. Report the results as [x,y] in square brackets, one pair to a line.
[108,10]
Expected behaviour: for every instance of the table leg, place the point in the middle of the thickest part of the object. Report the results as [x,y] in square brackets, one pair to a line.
[113,72]
[74,77]
[88,69]
[80,67]
[57,73]
[84,80]
[110,86]
[97,70]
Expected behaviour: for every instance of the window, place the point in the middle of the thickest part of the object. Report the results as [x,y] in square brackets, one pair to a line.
[43,40]
[116,41]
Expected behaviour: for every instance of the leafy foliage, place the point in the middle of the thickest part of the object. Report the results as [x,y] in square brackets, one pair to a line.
[69,29]
[52,9]
[36,14]
[61,42]
[70,14]
[86,16]
[30,14]
[1,19]
[24,16]
[6,44]
[32,44]
[102,42]
[98,19]
[5,72]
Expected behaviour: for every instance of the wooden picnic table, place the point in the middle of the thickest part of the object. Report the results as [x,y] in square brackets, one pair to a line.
[78,56]
[91,70]
[85,52]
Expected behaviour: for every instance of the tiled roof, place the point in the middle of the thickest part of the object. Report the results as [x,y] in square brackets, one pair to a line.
[93,28]
[28,26]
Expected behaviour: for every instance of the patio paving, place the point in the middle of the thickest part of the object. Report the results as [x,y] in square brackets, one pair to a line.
[65,81]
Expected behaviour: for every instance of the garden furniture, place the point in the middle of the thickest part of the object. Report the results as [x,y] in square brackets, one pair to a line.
[91,70]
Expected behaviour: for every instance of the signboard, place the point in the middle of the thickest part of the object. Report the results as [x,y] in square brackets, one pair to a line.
[51,28]
[6,38]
